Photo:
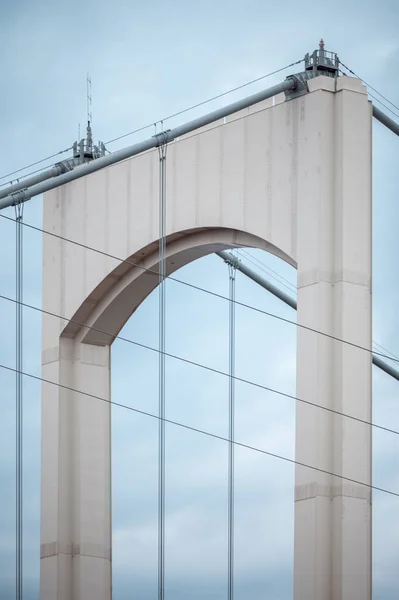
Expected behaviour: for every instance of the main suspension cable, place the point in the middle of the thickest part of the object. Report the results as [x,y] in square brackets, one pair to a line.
[181,112]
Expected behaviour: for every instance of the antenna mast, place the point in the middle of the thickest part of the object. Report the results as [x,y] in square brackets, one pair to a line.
[85,149]
[88,89]
[89,137]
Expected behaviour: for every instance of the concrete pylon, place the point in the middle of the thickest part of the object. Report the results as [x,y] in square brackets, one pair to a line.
[76,480]
[291,177]
[333,516]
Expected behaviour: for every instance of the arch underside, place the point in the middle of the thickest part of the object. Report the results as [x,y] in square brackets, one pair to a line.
[106,310]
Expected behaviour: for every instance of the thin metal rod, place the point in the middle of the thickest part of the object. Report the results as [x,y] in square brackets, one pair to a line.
[270,287]
[162,283]
[19,405]
[232,281]
[153,142]
[385,120]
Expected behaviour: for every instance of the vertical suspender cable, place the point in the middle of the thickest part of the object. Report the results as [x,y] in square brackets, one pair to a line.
[230,587]
[18,400]
[161,460]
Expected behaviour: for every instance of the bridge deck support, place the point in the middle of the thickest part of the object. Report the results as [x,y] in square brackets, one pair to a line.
[333,516]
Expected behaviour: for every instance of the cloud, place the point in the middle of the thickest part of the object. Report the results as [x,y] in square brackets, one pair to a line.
[148,61]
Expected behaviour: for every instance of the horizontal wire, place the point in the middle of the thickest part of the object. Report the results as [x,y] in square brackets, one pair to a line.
[181,112]
[202,366]
[206,291]
[202,432]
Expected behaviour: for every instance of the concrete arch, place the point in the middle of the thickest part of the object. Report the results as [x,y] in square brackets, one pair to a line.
[293,177]
[121,294]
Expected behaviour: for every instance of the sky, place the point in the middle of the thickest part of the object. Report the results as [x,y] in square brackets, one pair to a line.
[147,61]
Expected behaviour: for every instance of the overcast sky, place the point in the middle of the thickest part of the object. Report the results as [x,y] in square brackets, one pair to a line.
[146,61]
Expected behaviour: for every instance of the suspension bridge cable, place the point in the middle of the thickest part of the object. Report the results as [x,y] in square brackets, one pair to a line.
[370,86]
[162,149]
[203,432]
[144,127]
[384,105]
[149,125]
[19,209]
[230,512]
[34,164]
[206,367]
[18,179]
[200,289]
[185,110]
[197,132]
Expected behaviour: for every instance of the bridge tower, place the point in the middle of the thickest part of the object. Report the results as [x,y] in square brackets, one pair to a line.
[291,176]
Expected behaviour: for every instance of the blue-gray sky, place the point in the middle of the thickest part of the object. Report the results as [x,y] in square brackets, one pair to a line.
[148,60]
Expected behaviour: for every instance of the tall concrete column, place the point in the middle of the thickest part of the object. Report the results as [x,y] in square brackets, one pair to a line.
[75,547]
[333,516]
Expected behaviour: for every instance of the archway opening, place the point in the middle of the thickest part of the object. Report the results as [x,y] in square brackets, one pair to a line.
[196,464]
